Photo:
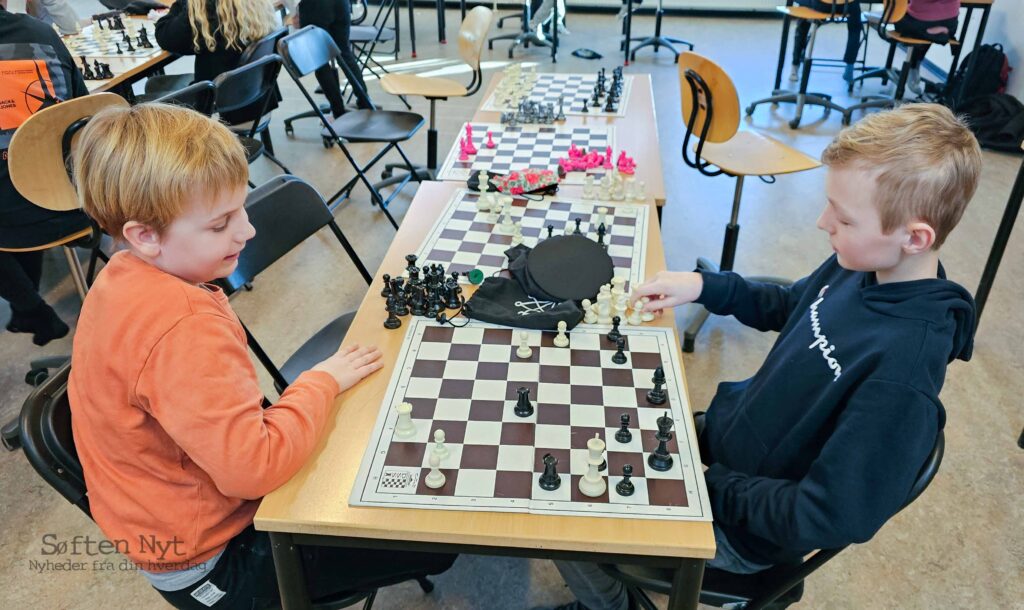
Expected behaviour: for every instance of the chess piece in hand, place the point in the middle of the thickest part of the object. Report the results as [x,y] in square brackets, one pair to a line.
[669,289]
[350,364]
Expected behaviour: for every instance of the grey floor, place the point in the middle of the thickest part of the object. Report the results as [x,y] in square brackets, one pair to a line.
[959,546]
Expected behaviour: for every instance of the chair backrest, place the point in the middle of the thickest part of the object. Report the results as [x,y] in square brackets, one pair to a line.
[200,97]
[892,11]
[262,47]
[247,84]
[307,50]
[710,105]
[41,146]
[472,35]
[47,441]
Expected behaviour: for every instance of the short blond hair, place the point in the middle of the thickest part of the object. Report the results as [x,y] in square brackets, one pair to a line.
[144,162]
[926,164]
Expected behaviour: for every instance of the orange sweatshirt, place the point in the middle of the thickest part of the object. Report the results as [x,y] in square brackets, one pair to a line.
[167,417]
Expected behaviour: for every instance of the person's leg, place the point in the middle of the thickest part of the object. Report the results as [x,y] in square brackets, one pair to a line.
[853,35]
[592,587]
[19,286]
[728,560]
[354,72]
[331,570]
[800,34]
[327,78]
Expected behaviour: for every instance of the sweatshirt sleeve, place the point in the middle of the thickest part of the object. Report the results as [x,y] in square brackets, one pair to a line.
[200,385]
[173,30]
[757,304]
[861,478]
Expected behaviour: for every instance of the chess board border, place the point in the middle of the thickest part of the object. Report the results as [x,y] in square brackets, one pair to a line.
[491,103]
[364,494]
[450,172]
[87,32]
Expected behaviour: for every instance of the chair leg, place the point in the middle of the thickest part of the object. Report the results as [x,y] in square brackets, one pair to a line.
[77,275]
[425,584]
[269,155]
[368,604]
[267,142]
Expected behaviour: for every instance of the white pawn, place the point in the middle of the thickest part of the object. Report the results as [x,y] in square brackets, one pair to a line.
[634,318]
[492,217]
[645,315]
[589,315]
[483,202]
[640,192]
[602,217]
[404,428]
[435,478]
[507,226]
[524,351]
[588,186]
[517,234]
[440,449]
[561,339]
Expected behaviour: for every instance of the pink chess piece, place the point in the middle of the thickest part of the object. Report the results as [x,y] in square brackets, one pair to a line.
[463,153]
[608,158]
[490,140]
[625,163]
[470,148]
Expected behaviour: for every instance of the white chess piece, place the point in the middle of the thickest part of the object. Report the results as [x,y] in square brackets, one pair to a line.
[646,316]
[589,314]
[604,308]
[640,192]
[507,225]
[561,339]
[404,428]
[588,186]
[602,217]
[492,217]
[440,449]
[524,351]
[593,484]
[634,318]
[435,479]
[483,202]
[517,234]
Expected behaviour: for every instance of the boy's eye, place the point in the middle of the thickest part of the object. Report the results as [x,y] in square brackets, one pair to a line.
[220,228]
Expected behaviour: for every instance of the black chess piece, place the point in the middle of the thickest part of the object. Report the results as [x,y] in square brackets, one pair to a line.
[550,481]
[577,231]
[106,71]
[97,68]
[585,109]
[392,322]
[387,286]
[87,70]
[129,43]
[614,335]
[119,51]
[551,229]
[625,486]
[619,357]
[660,459]
[609,105]
[600,234]
[417,306]
[411,260]
[657,395]
[524,408]
[624,435]
[454,297]
[561,108]
[401,305]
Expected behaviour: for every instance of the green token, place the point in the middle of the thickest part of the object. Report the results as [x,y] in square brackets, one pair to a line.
[475,276]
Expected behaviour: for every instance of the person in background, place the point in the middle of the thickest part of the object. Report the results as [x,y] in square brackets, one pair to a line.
[932,20]
[853,30]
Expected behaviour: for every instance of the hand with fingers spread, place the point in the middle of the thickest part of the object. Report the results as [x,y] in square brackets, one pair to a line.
[669,289]
[350,364]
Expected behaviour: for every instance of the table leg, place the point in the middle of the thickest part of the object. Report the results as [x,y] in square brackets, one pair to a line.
[290,579]
[554,32]
[440,23]
[782,50]
[686,585]
[412,28]
[629,27]
[995,255]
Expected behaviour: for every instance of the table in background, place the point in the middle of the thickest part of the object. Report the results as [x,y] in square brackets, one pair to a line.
[313,508]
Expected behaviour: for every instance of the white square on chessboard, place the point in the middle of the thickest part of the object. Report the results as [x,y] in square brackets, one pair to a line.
[675,472]
[592,339]
[493,250]
[508,414]
[642,378]
[649,418]
[422,431]
[474,482]
[466,258]
[639,494]
[429,350]
[468,336]
[554,393]
[423,388]
[619,396]
[450,409]
[523,371]
[552,436]
[557,356]
[489,389]
[460,369]
[618,250]
[446,245]
[494,353]
[635,444]
[587,416]
[644,343]
[517,458]
[458,224]
[578,462]
[562,494]
[482,433]
[476,237]
[454,454]
[585,375]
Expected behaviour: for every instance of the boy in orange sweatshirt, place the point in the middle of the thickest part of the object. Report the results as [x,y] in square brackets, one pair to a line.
[167,413]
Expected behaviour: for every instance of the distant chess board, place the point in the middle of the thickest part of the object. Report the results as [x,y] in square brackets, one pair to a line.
[576,89]
[89,44]
[527,146]
[462,238]
[465,380]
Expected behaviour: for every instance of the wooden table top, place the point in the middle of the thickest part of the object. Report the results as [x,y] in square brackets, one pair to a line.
[315,500]
[634,132]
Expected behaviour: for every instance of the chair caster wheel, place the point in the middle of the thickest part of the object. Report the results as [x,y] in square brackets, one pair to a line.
[688,345]
[289,130]
[247,286]
[327,142]
[36,377]
[750,110]
[425,584]
[12,436]
[384,175]
[794,123]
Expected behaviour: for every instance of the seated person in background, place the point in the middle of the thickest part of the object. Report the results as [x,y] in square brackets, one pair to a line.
[803,29]
[167,412]
[32,59]
[823,444]
[58,12]
[933,20]
[217,32]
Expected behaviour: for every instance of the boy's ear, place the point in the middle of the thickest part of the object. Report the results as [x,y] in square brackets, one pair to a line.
[920,237]
[142,238]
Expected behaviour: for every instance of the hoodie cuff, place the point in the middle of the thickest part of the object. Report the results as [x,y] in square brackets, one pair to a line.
[716,477]
[716,289]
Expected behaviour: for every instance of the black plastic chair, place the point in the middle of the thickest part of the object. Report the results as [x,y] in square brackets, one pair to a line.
[310,49]
[261,48]
[774,588]
[200,97]
[285,212]
[242,87]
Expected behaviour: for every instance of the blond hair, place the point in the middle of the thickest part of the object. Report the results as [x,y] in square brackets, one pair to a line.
[926,164]
[143,163]
[242,22]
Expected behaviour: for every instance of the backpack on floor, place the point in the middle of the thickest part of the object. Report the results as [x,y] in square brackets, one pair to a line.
[997,120]
[988,75]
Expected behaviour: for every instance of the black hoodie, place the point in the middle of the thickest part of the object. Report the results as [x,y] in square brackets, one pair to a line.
[822,445]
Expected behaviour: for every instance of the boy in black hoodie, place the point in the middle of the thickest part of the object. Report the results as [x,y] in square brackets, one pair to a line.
[822,445]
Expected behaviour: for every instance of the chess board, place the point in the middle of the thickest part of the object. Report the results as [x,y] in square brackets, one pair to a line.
[576,90]
[465,380]
[463,238]
[89,44]
[526,146]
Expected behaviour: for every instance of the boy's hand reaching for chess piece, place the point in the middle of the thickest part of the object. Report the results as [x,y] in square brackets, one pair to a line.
[669,289]
[350,364]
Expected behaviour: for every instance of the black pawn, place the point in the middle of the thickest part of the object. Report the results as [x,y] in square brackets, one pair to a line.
[523,406]
[129,43]
[625,486]
[619,357]
[600,234]
[585,109]
[119,51]
[387,286]
[550,480]
[624,435]
[657,395]
[614,335]
[551,230]
[454,298]
[392,322]
[577,231]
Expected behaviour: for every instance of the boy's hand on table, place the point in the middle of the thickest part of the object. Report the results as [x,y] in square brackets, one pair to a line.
[350,364]
[669,289]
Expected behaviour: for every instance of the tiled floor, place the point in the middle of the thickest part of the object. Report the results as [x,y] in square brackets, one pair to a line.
[959,546]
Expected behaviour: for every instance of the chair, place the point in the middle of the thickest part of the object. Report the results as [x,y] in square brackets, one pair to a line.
[200,97]
[774,588]
[657,41]
[526,36]
[285,211]
[471,43]
[801,97]
[310,49]
[261,48]
[710,110]
[243,86]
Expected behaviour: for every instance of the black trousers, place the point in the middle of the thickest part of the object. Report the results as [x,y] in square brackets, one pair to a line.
[853,29]
[20,271]
[245,572]
[915,28]
[336,19]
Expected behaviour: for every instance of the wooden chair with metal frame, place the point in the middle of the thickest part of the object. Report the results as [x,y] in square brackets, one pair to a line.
[471,43]
[710,109]
[801,97]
